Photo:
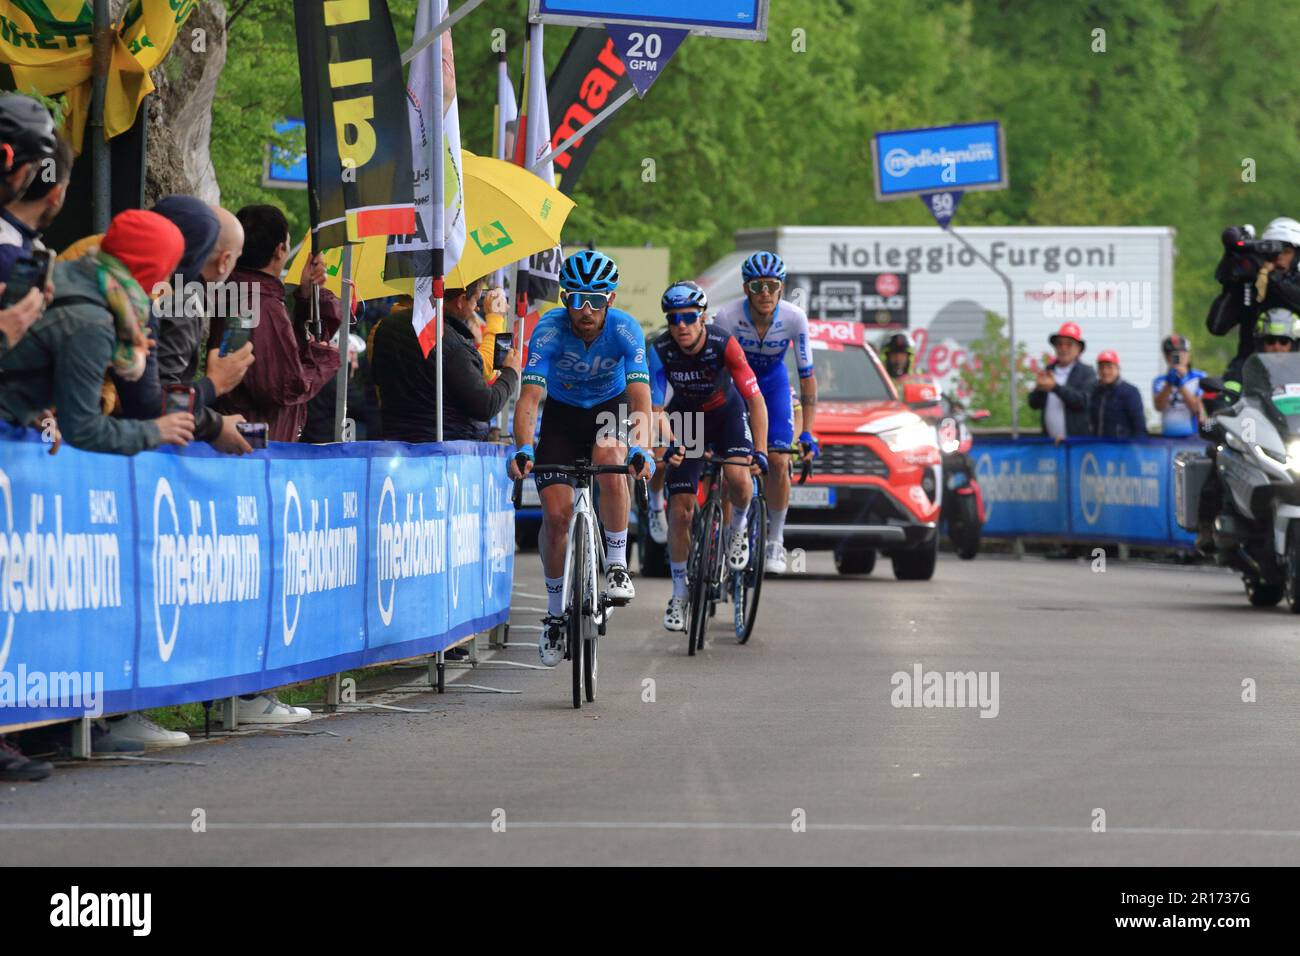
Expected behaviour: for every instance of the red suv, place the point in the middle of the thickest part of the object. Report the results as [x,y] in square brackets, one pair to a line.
[877,485]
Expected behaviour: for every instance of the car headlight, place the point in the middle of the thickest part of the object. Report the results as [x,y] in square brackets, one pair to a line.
[908,437]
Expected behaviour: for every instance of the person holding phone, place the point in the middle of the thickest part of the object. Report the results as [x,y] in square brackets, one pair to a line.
[405,378]
[61,362]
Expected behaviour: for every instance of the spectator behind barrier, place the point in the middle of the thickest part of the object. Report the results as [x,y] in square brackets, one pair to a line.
[97,321]
[26,143]
[319,428]
[1064,387]
[1177,393]
[1115,406]
[23,220]
[405,379]
[289,366]
[218,240]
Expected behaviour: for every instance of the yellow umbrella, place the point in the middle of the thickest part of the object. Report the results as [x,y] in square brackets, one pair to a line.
[509,215]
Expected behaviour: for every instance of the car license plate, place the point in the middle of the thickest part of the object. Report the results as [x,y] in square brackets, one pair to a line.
[816,496]
[530,498]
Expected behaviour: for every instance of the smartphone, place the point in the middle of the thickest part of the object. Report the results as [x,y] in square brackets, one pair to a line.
[500,346]
[178,398]
[253,432]
[238,332]
[32,271]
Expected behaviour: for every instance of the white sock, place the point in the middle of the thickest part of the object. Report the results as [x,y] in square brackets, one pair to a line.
[656,499]
[616,547]
[555,596]
[679,578]
[776,526]
[738,516]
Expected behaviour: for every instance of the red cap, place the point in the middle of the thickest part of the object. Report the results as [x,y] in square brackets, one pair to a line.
[1111,356]
[149,245]
[1069,330]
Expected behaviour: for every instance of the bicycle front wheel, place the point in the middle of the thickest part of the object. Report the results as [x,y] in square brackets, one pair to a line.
[749,582]
[706,550]
[576,612]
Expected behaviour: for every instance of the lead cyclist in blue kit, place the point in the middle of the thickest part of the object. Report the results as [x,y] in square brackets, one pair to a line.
[765,327]
[589,360]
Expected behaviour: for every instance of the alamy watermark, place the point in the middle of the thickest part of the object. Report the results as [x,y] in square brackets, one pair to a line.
[1084,299]
[217,300]
[65,690]
[686,429]
[922,688]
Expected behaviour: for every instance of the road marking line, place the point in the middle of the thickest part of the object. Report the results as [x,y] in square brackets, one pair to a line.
[665,825]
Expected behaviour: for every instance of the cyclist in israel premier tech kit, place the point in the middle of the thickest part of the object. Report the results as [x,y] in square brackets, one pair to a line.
[589,360]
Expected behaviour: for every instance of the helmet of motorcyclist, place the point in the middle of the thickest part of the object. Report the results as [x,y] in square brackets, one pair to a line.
[1277,330]
[898,350]
[1283,229]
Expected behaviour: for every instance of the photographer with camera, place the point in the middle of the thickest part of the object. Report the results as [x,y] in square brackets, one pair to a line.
[1256,275]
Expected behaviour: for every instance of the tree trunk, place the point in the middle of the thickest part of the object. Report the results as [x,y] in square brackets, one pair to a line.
[180,112]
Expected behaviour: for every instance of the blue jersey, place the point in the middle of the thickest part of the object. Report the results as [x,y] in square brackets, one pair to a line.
[1177,419]
[576,373]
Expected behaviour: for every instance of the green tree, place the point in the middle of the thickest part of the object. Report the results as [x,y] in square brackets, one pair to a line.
[986,376]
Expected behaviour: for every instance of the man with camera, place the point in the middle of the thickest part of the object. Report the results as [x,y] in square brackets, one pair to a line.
[1256,275]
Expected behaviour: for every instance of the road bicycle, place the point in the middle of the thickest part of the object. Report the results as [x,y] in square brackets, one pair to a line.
[586,606]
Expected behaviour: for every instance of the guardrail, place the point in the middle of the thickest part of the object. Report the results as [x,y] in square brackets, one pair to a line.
[179,576]
[1084,489]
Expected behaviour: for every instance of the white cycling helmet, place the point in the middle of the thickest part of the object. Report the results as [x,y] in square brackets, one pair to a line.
[1283,230]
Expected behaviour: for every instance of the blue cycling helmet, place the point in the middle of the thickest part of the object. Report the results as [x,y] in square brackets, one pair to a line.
[684,295]
[763,265]
[589,271]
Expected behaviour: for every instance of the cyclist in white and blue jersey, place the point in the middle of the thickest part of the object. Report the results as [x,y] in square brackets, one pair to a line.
[589,361]
[765,327]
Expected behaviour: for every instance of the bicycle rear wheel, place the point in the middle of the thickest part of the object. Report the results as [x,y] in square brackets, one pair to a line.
[749,582]
[703,569]
[577,617]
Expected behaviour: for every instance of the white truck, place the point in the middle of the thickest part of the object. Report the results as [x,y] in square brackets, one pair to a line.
[1115,282]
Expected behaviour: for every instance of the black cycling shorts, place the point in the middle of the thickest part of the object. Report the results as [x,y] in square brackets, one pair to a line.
[726,431]
[569,432]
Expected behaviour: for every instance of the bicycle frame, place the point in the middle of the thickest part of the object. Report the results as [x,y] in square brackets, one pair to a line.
[584,512]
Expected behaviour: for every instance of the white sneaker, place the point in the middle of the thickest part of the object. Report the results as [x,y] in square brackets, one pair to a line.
[775,563]
[659,526]
[265,708]
[137,728]
[675,616]
[618,584]
[550,646]
[738,553]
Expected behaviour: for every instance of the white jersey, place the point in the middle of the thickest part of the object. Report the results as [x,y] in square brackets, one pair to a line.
[789,329]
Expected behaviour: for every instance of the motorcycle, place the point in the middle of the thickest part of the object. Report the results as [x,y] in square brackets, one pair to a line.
[1257,460]
[962,508]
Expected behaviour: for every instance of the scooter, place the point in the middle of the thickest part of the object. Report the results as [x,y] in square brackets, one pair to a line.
[962,508]
[1257,460]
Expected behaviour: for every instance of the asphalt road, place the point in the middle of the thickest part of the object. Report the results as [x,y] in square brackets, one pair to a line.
[1118,691]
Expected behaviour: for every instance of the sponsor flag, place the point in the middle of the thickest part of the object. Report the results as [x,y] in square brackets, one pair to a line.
[541,282]
[358,146]
[49,49]
[588,78]
[410,264]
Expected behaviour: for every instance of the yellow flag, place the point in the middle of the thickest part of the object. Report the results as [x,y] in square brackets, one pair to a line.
[48,45]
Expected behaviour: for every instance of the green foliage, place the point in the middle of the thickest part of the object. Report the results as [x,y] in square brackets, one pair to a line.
[1152,131]
[986,378]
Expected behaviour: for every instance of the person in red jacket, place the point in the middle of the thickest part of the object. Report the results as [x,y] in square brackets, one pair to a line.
[289,366]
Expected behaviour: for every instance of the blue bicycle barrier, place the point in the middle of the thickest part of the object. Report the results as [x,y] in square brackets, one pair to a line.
[174,577]
[1084,488]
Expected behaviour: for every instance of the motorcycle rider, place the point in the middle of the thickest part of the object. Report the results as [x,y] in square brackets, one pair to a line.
[1276,330]
[1254,280]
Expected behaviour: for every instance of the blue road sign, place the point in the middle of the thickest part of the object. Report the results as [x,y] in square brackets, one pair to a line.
[745,19]
[284,170]
[914,162]
[645,51]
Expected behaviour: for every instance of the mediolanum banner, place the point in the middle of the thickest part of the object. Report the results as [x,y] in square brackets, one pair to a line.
[184,576]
